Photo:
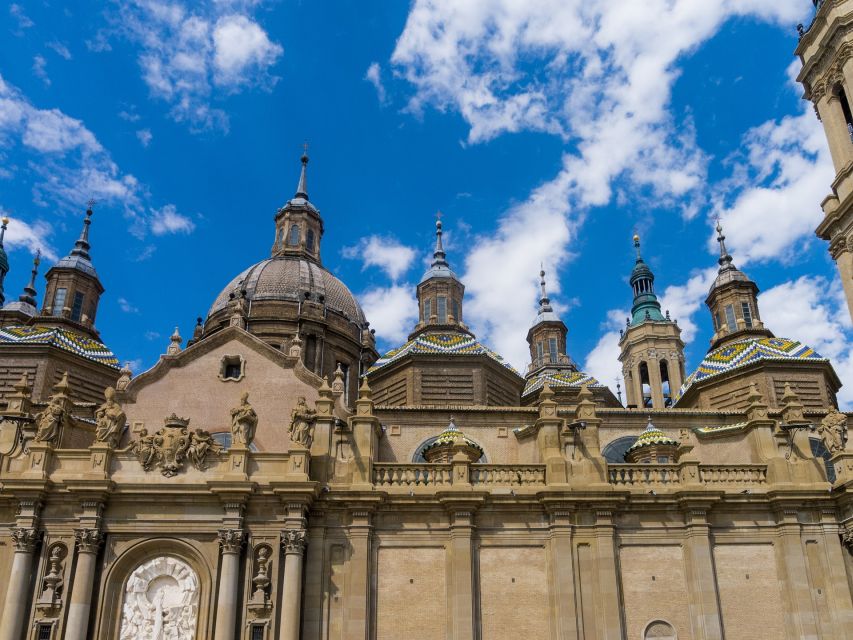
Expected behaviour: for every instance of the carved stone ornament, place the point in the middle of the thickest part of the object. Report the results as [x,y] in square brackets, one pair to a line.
[110,419]
[302,423]
[160,601]
[261,580]
[244,421]
[173,445]
[25,539]
[49,422]
[53,583]
[294,541]
[833,431]
[88,540]
[231,540]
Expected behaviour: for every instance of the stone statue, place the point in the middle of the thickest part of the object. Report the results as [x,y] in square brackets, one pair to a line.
[244,421]
[302,423]
[833,431]
[110,419]
[172,445]
[49,421]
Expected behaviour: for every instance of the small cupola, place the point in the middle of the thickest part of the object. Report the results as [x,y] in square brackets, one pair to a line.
[298,225]
[452,444]
[653,446]
[547,336]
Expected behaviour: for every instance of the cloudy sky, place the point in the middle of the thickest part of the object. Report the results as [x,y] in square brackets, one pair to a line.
[545,131]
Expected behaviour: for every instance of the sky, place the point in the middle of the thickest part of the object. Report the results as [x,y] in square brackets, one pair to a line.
[545,132]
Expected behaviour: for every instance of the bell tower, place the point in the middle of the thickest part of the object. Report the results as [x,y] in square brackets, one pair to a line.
[826,51]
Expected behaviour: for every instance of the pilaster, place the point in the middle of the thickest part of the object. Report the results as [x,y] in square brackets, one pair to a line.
[563,597]
[608,605]
[702,597]
[800,610]
[358,606]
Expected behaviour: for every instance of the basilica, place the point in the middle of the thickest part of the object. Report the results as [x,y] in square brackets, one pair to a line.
[275,476]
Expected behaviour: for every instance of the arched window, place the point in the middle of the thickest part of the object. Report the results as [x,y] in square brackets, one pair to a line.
[161,592]
[419,452]
[614,452]
[659,630]
[309,240]
[665,386]
[819,450]
[293,240]
[225,439]
[645,385]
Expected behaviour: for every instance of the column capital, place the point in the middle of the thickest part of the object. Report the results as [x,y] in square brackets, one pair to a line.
[294,541]
[25,539]
[88,540]
[838,245]
[231,540]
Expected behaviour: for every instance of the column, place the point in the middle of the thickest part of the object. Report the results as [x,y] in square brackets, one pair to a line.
[462,575]
[357,614]
[293,541]
[15,607]
[88,541]
[832,117]
[842,253]
[608,605]
[701,584]
[231,543]
[801,620]
[563,599]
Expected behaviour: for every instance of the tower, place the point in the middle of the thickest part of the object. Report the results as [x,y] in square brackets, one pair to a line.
[652,353]
[826,51]
[733,302]
[298,225]
[547,336]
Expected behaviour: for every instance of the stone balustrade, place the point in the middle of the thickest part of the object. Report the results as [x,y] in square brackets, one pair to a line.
[733,474]
[645,475]
[508,475]
[411,475]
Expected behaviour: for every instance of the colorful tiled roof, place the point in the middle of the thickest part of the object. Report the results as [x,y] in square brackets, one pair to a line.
[746,352]
[446,344]
[450,436]
[652,436]
[559,379]
[64,339]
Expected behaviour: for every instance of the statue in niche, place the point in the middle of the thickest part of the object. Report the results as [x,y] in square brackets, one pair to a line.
[833,431]
[244,421]
[110,419]
[49,422]
[261,580]
[302,423]
[53,582]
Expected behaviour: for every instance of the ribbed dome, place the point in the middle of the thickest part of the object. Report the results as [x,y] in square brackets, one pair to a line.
[288,279]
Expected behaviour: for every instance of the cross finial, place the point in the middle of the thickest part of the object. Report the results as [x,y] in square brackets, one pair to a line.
[439,215]
[305,147]
[92,202]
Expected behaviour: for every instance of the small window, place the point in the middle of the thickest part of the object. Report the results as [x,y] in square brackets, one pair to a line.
[93,309]
[280,240]
[442,310]
[309,240]
[730,318]
[552,349]
[232,368]
[540,352]
[663,459]
[345,369]
[455,307]
[44,631]
[59,301]
[427,309]
[747,314]
[293,240]
[615,451]
[77,308]
[645,385]
[257,632]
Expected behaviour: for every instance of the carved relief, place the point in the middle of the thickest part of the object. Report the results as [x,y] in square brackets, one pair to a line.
[110,419]
[294,541]
[302,423]
[231,540]
[172,445]
[50,421]
[833,431]
[88,540]
[160,601]
[244,421]
[260,600]
[53,583]
[24,539]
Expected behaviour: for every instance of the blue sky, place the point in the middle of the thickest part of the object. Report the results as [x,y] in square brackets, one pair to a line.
[544,133]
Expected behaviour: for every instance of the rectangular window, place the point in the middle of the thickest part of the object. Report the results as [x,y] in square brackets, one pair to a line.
[730,318]
[427,309]
[442,310]
[257,632]
[747,314]
[44,632]
[455,307]
[345,369]
[59,301]
[540,352]
[77,309]
[552,349]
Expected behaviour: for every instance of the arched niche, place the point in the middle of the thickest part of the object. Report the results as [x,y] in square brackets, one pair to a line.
[659,630]
[180,561]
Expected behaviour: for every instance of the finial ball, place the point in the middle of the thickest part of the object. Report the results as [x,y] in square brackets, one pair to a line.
[636,238]
[4,220]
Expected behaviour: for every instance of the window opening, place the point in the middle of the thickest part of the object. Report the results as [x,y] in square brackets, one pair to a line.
[293,240]
[665,386]
[730,318]
[645,385]
[552,349]
[442,310]
[77,308]
[747,314]
[59,301]
[309,240]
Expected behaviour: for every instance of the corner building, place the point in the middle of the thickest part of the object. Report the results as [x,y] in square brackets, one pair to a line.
[275,477]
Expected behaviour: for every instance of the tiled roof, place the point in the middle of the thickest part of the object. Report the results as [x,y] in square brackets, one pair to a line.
[64,339]
[559,379]
[652,435]
[745,352]
[445,343]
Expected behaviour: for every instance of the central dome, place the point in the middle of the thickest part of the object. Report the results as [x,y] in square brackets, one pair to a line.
[292,279]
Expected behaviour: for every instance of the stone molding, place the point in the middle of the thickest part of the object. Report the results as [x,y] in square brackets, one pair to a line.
[25,539]
[231,540]
[88,540]
[294,541]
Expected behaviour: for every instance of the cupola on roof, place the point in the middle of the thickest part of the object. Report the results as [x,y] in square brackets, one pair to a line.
[646,305]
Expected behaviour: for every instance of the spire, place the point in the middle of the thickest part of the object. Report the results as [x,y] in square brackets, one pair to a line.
[646,305]
[82,246]
[637,247]
[4,260]
[725,260]
[302,188]
[29,295]
[439,257]
[544,301]
[5,223]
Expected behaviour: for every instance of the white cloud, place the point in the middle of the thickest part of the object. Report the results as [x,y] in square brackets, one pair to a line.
[168,220]
[598,75]
[24,22]
[385,253]
[126,307]
[60,49]
[603,361]
[31,236]
[145,136]
[40,69]
[188,51]
[129,115]
[392,311]
[809,310]
[374,77]
[51,131]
